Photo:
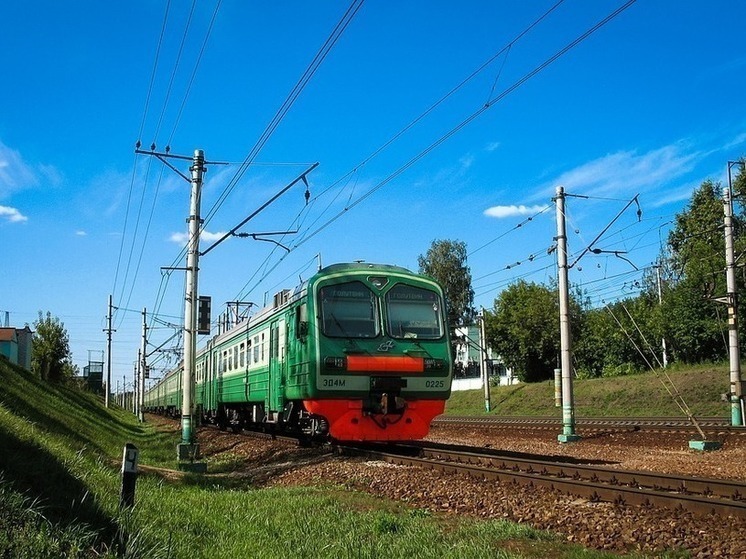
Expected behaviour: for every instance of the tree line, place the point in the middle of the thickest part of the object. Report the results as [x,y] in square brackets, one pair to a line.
[624,336]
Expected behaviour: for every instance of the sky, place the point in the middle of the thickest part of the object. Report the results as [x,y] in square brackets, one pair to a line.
[430,120]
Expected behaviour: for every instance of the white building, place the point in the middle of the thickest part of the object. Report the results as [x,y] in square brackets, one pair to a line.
[467,373]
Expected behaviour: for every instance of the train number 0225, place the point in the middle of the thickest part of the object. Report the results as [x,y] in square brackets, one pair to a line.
[435,384]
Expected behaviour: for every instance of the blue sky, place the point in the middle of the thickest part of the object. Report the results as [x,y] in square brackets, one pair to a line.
[648,104]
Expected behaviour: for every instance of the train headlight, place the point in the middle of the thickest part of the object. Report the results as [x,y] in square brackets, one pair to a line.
[338,363]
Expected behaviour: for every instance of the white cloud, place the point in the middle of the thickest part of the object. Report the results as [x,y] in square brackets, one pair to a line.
[182,238]
[735,142]
[626,173]
[492,146]
[512,211]
[12,214]
[16,174]
[466,162]
[81,233]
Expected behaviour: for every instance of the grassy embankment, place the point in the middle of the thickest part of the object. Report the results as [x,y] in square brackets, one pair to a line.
[59,492]
[642,395]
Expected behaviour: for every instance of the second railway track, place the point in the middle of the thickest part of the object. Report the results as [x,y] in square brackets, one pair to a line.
[596,482]
[678,424]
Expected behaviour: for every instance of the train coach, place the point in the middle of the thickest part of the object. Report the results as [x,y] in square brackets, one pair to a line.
[357,352]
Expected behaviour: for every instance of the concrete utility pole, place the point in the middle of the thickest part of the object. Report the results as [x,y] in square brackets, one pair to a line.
[485,370]
[143,368]
[734,351]
[568,407]
[136,385]
[108,331]
[188,449]
[660,302]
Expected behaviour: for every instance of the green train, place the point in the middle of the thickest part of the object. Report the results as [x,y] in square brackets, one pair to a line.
[358,352]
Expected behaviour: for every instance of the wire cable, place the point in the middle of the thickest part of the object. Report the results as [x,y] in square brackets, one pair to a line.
[287,104]
[470,118]
[174,71]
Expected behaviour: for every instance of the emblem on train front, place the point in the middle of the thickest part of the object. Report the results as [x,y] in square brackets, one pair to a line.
[386,346]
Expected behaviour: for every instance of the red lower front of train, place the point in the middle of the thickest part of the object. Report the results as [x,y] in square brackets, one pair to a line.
[349,422]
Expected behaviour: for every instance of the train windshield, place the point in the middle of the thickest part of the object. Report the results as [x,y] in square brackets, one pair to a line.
[349,310]
[414,312]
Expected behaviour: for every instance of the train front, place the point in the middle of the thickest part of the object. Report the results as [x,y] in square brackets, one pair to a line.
[383,358]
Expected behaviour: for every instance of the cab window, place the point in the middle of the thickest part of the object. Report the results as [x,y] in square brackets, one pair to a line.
[414,312]
[349,310]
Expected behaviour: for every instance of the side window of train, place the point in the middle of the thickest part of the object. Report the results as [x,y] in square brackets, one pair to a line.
[256,349]
[301,322]
[241,355]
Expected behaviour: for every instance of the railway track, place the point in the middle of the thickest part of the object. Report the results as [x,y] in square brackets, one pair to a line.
[596,482]
[680,424]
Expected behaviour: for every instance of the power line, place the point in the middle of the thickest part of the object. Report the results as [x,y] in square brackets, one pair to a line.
[286,105]
[515,228]
[155,67]
[470,118]
[174,71]
[194,72]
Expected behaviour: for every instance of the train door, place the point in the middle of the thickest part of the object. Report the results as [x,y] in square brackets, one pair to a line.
[210,403]
[276,365]
[219,377]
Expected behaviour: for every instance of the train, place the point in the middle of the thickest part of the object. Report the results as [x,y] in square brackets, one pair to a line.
[358,352]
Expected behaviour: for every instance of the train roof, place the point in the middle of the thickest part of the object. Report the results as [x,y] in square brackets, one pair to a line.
[359,266]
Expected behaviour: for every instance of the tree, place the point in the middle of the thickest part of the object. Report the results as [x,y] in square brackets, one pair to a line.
[50,350]
[696,241]
[605,349]
[524,329]
[692,320]
[445,261]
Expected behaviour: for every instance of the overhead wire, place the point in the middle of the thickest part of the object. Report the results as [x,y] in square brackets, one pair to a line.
[514,228]
[194,72]
[355,170]
[489,104]
[300,85]
[174,72]
[504,50]
[453,131]
[139,135]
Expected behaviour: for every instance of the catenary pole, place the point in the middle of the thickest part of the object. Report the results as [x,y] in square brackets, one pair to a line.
[485,370]
[108,331]
[568,407]
[188,449]
[143,368]
[734,351]
[660,302]
[136,385]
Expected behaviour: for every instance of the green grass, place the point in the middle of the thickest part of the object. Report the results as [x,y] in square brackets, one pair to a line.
[626,396]
[59,494]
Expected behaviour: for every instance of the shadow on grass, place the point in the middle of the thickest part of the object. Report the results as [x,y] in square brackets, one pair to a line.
[58,409]
[511,394]
[34,472]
